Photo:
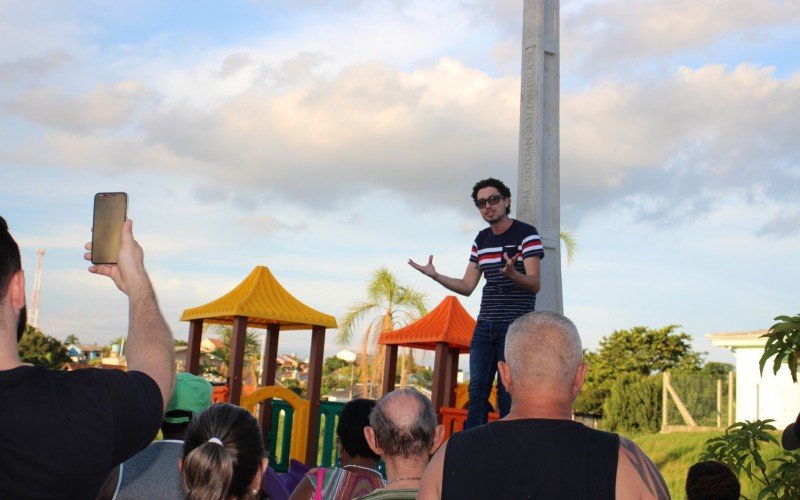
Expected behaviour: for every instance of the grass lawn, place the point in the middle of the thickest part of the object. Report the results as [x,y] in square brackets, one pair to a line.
[674,453]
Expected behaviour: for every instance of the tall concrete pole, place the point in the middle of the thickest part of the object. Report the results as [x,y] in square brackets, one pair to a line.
[538,185]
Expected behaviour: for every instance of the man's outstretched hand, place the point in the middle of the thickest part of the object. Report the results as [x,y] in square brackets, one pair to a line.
[428,269]
[129,271]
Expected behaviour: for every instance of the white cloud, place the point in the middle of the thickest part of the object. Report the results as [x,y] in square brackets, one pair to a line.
[603,34]
[371,125]
[32,67]
[681,140]
[107,106]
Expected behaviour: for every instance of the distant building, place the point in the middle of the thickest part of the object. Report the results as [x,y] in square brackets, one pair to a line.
[759,396]
[207,346]
[83,353]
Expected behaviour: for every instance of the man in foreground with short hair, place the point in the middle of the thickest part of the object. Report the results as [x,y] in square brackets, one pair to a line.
[403,431]
[153,472]
[62,432]
[538,451]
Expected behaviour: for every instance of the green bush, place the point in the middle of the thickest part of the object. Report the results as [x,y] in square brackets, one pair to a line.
[634,404]
[590,400]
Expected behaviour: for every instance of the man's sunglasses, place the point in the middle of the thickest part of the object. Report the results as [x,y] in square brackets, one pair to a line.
[492,200]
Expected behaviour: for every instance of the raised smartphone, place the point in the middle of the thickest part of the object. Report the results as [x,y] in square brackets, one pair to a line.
[110,212]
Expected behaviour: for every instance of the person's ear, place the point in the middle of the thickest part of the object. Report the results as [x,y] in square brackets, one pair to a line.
[369,435]
[580,378]
[16,290]
[505,375]
[256,484]
[438,439]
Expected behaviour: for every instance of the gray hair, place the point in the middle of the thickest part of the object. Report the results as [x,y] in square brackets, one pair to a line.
[401,431]
[543,348]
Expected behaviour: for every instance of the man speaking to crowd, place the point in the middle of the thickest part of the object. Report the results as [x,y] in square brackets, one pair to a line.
[507,253]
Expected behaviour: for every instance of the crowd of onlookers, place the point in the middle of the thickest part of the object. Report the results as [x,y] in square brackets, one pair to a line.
[89,433]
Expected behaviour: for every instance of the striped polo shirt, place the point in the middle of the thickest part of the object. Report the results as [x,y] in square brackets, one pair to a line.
[502,299]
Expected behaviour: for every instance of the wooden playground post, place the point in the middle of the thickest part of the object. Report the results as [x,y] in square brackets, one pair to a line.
[439,378]
[313,392]
[389,369]
[719,402]
[664,401]
[730,398]
[193,349]
[269,366]
[236,358]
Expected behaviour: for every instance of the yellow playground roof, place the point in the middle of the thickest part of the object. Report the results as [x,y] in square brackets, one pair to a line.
[263,301]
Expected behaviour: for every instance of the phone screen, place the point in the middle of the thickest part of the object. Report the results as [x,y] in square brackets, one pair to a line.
[110,211]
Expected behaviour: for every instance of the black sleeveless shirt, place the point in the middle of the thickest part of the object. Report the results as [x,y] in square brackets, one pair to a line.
[531,458]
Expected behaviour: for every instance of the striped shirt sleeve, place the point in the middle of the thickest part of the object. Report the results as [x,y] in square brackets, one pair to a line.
[532,246]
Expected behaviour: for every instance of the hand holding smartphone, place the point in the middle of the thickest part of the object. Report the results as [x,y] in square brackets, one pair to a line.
[110,212]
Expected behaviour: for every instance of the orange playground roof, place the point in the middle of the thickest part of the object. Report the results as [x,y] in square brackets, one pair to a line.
[264,301]
[448,322]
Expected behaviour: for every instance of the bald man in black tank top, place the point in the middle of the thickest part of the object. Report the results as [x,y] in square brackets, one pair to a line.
[538,451]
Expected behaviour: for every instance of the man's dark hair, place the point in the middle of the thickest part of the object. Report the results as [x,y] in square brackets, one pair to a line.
[10,261]
[177,430]
[350,429]
[396,439]
[492,182]
[711,480]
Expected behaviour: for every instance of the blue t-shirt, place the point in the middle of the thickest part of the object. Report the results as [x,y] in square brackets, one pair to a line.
[504,300]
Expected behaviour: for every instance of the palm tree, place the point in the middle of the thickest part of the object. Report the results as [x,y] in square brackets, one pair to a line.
[392,304]
[252,354]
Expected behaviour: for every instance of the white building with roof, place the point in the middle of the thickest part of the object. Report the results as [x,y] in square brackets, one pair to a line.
[759,396]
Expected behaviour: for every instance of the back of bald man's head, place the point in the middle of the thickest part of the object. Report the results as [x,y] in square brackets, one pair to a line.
[404,422]
[543,349]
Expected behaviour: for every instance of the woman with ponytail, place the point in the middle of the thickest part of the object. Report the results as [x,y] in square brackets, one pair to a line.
[223,455]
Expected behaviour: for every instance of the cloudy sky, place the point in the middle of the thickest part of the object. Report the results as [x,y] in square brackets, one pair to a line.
[327,138]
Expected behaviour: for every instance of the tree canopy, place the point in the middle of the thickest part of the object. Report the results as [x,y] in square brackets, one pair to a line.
[645,351]
[638,350]
[43,350]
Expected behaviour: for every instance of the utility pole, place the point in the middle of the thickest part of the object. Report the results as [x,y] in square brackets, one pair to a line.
[538,177]
[37,289]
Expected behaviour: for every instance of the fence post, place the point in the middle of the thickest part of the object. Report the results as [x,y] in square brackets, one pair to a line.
[664,401]
[730,398]
[719,402]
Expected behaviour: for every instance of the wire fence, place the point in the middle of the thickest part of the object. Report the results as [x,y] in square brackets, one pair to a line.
[697,400]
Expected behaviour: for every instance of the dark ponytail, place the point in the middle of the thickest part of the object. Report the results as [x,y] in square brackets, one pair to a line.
[214,471]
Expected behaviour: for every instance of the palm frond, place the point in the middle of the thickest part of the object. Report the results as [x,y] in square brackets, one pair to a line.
[570,244]
[350,320]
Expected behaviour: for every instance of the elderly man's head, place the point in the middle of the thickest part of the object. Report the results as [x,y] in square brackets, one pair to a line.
[403,425]
[543,353]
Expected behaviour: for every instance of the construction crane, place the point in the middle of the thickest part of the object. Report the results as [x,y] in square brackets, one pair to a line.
[37,289]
